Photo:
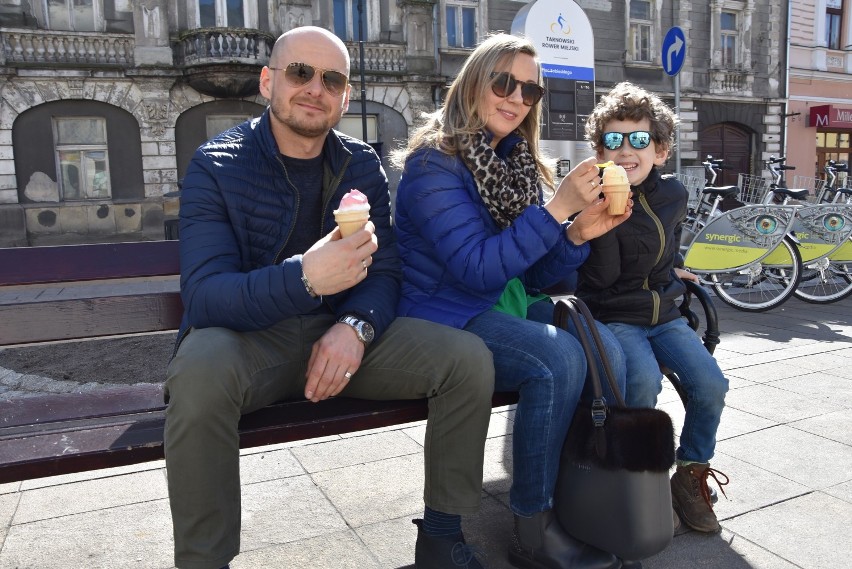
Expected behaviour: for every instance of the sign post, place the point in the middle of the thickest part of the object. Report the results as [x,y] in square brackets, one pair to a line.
[562,36]
[674,54]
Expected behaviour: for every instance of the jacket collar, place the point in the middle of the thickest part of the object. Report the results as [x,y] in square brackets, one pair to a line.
[336,153]
[648,184]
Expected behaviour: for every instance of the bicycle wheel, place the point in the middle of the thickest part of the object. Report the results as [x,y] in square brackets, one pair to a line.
[763,285]
[824,281]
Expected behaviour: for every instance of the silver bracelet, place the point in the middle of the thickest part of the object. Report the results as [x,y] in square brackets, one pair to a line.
[308,286]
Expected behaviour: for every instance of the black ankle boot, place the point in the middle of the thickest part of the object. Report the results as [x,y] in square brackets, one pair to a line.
[449,552]
[540,542]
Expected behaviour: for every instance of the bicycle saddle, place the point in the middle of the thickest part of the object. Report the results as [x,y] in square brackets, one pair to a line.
[720,190]
[794,194]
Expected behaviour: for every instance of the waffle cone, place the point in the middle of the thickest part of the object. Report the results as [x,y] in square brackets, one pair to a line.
[617,195]
[351,221]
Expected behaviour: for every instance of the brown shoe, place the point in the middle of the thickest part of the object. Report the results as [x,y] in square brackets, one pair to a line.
[691,496]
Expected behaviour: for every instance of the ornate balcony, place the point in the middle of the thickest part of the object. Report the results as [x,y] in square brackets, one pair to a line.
[224,62]
[731,82]
[66,48]
[378,57]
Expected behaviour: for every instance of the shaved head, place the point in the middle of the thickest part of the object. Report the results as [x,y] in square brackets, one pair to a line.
[307,37]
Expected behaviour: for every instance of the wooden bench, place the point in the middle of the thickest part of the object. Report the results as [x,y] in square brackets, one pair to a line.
[51,434]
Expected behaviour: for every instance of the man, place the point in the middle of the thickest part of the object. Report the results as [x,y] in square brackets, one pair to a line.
[279,306]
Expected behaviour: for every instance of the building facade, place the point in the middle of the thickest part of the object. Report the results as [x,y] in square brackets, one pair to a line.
[819,115]
[104,101]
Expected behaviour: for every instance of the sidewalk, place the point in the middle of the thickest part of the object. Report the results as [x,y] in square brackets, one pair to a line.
[346,502]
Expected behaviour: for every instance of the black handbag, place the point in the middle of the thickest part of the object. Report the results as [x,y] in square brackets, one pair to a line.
[613,486]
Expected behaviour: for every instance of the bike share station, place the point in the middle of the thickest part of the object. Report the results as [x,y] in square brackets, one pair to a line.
[562,35]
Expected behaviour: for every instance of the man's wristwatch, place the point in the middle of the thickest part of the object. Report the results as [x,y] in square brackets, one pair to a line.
[363,329]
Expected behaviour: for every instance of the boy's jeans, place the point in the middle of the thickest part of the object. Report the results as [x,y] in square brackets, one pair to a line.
[676,346]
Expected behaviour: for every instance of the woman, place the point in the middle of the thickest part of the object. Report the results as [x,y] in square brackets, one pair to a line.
[478,242]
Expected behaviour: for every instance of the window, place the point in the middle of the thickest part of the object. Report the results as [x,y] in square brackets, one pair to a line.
[82,158]
[728,39]
[352,125]
[833,146]
[641,23]
[833,19]
[461,23]
[220,123]
[72,15]
[348,21]
[221,14]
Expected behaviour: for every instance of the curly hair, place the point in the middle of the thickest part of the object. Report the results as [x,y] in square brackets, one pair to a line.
[630,102]
[448,128]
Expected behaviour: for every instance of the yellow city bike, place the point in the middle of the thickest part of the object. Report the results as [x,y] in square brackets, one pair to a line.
[822,231]
[745,253]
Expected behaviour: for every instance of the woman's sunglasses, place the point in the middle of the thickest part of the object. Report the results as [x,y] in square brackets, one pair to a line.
[638,139]
[298,74]
[504,84]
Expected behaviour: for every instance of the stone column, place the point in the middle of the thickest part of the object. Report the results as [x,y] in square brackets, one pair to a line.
[419,35]
[151,27]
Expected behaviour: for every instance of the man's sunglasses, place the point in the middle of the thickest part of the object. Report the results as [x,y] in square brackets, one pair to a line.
[638,139]
[504,84]
[298,74]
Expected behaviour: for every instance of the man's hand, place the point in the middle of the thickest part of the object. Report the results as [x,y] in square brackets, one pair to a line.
[594,221]
[334,264]
[337,353]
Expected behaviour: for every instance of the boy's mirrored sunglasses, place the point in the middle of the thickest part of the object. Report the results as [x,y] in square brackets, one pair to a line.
[298,74]
[504,84]
[638,139]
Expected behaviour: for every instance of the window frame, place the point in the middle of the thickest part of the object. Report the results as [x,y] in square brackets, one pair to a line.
[97,16]
[654,29]
[834,26]
[220,7]
[371,23]
[729,40]
[87,190]
[460,6]
[646,27]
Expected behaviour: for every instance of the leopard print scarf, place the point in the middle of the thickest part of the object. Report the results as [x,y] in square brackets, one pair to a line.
[507,187]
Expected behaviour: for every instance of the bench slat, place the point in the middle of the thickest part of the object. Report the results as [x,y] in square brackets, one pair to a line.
[89,317]
[70,263]
[134,438]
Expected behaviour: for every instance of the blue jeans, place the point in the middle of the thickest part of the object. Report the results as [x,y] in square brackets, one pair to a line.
[675,345]
[547,367]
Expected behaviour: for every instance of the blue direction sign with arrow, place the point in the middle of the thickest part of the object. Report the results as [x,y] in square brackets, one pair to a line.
[674,50]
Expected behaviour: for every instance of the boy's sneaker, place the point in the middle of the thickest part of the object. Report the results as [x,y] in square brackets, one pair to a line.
[691,496]
[450,552]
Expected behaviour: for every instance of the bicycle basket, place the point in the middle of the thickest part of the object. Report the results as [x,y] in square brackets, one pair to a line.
[693,185]
[752,188]
[813,185]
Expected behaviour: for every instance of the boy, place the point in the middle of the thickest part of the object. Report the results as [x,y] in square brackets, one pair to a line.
[631,284]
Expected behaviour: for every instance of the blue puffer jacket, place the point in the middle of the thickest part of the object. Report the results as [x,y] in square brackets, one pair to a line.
[237,213]
[456,260]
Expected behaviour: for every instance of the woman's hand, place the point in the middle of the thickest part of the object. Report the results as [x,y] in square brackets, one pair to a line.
[577,190]
[594,221]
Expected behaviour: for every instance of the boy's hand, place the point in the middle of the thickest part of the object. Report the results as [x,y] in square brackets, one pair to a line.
[685,275]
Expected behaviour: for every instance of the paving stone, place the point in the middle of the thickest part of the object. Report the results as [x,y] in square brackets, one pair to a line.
[285,511]
[356,450]
[722,551]
[776,404]
[382,490]
[342,550]
[263,466]
[771,371]
[9,488]
[793,454]
[819,523]
[732,424]
[8,505]
[91,495]
[138,536]
[497,471]
[842,491]
[392,541]
[820,385]
[158,465]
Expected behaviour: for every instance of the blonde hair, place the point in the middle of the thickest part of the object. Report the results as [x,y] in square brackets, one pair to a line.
[448,128]
[630,102]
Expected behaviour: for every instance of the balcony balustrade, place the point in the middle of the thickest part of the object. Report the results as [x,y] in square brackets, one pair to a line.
[378,57]
[59,48]
[224,45]
[731,81]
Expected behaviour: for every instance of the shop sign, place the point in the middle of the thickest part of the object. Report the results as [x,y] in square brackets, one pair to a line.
[829,116]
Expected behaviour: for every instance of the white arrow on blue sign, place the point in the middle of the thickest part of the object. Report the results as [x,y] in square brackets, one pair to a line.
[674,51]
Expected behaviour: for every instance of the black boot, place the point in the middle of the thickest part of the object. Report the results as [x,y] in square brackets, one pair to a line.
[449,552]
[540,542]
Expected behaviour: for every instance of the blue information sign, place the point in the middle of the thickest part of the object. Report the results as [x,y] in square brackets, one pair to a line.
[674,50]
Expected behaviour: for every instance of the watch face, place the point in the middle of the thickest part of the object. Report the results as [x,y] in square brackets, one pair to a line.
[367,332]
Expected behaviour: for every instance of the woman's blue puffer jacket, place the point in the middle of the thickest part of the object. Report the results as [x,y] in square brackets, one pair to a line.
[237,213]
[456,260]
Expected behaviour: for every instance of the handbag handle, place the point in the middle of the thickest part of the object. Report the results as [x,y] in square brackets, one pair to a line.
[572,307]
